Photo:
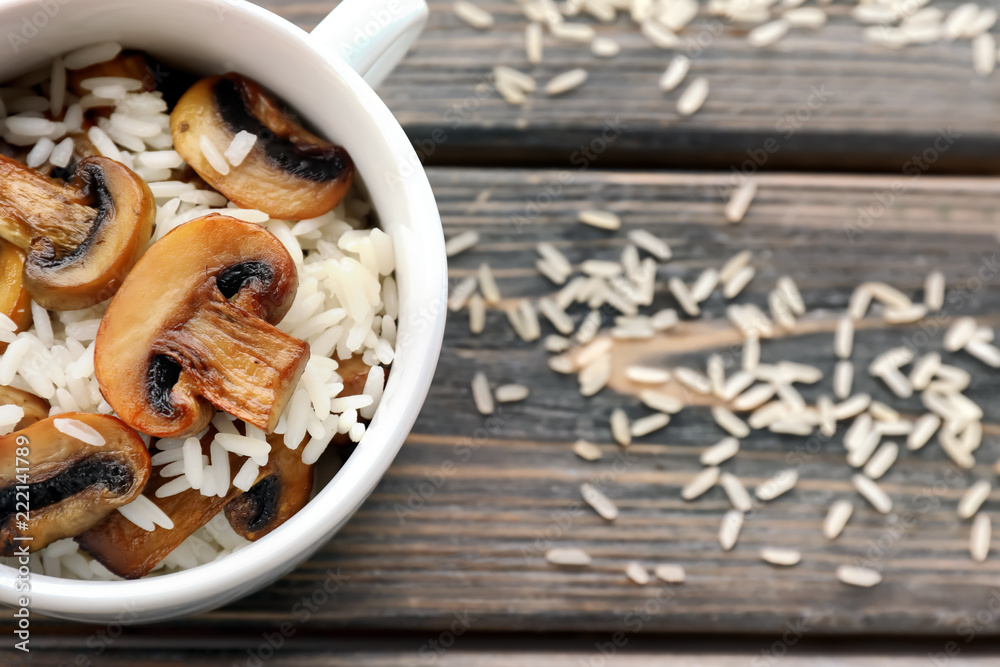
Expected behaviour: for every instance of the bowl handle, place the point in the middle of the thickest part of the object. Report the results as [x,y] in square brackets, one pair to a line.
[371,36]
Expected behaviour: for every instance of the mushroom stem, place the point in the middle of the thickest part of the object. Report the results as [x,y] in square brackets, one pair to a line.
[239,363]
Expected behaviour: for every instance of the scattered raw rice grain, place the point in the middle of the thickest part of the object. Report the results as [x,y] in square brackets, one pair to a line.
[664,319]
[739,202]
[637,573]
[751,354]
[858,432]
[873,493]
[599,502]
[477,314]
[647,425]
[587,451]
[987,353]
[481,393]
[901,427]
[519,79]
[972,436]
[661,36]
[565,82]
[461,293]
[212,154]
[984,54]
[661,402]
[882,412]
[924,370]
[979,538]
[693,97]
[511,93]
[882,460]
[914,313]
[782,482]
[729,531]
[780,311]
[843,338]
[460,243]
[75,428]
[620,428]
[533,43]
[704,285]
[805,17]
[836,518]
[511,393]
[647,375]
[955,450]
[736,384]
[737,283]
[959,334]
[793,425]
[650,243]
[567,556]
[984,335]
[529,319]
[605,47]
[547,269]
[922,431]
[675,73]
[683,297]
[474,16]
[858,304]
[573,32]
[736,492]
[556,315]
[973,499]
[671,574]
[898,383]
[853,575]
[716,371]
[693,380]
[827,419]
[700,483]
[934,291]
[721,451]
[730,422]
[734,265]
[768,34]
[594,377]
[783,557]
[600,219]
[754,397]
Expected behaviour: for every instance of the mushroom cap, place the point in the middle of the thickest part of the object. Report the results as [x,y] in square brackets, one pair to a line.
[290,173]
[15,302]
[73,485]
[206,288]
[35,408]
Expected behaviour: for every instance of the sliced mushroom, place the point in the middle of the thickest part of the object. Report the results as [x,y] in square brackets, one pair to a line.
[290,174]
[35,408]
[15,302]
[54,485]
[130,551]
[278,494]
[193,327]
[81,239]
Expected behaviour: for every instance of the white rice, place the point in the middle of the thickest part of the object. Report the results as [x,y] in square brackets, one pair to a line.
[620,428]
[460,243]
[481,394]
[511,393]
[721,451]
[91,55]
[599,502]
[671,574]
[768,34]
[488,285]
[782,482]
[587,451]
[973,498]
[647,425]
[934,291]
[736,207]
[873,493]
[754,397]
[858,576]
[144,513]
[600,219]
[704,285]
[660,401]
[534,45]
[473,15]
[568,556]
[650,243]
[647,375]
[82,432]
[882,460]
[683,296]
[730,422]
[637,573]
[782,557]
[852,406]
[693,97]
[923,429]
[729,530]
[984,54]
[979,537]
[565,82]
[700,483]
[836,518]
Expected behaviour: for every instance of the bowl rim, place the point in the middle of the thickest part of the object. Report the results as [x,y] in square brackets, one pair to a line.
[213,584]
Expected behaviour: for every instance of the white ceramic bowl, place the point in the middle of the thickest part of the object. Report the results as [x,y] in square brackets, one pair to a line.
[321,75]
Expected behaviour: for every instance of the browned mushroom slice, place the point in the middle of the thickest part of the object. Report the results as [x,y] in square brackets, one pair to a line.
[81,239]
[35,408]
[290,173]
[126,65]
[14,300]
[130,551]
[275,497]
[53,484]
[193,327]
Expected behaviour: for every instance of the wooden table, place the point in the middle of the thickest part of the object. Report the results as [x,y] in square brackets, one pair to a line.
[444,564]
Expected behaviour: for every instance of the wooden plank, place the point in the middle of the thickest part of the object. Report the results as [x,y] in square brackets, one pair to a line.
[460,523]
[819,100]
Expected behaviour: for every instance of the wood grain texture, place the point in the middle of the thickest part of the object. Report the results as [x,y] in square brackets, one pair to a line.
[825,99]
[460,523]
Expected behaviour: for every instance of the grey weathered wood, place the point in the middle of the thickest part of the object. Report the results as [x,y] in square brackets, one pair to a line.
[875,108]
[482,517]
